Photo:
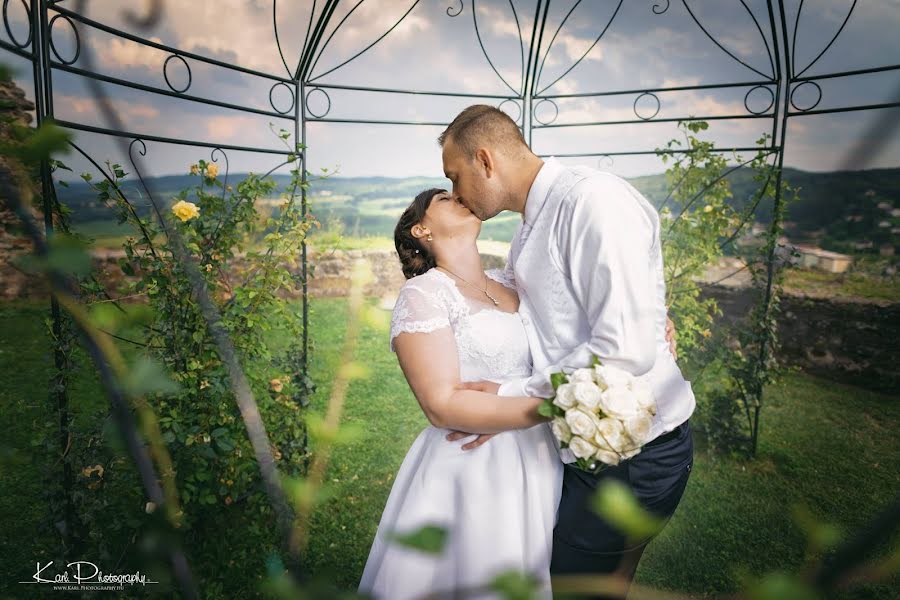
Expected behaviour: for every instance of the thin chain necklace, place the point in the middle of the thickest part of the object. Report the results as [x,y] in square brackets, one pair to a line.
[482,290]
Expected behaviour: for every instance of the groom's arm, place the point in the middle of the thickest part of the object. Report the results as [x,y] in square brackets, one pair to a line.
[602,242]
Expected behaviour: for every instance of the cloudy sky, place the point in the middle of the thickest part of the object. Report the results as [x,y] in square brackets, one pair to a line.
[431,50]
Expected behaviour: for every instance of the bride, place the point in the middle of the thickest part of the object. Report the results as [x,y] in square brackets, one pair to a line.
[454,323]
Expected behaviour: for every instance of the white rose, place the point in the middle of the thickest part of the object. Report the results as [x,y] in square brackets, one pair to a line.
[586,375]
[607,457]
[582,448]
[619,402]
[581,423]
[630,453]
[643,394]
[587,394]
[638,427]
[611,435]
[561,429]
[565,398]
[609,376]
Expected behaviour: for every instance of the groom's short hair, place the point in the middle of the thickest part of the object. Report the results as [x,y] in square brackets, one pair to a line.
[482,125]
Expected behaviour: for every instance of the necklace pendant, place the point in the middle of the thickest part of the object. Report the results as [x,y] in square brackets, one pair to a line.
[494,300]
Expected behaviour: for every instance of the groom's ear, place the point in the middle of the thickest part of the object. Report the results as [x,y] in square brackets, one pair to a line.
[485,160]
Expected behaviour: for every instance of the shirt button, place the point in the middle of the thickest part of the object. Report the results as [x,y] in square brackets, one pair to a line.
[525,321]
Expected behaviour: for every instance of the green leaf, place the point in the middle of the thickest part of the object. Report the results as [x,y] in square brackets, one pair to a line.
[149,377]
[68,254]
[782,586]
[595,360]
[616,503]
[557,379]
[47,139]
[430,539]
[514,585]
[546,408]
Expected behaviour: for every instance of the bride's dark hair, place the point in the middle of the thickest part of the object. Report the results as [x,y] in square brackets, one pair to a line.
[414,257]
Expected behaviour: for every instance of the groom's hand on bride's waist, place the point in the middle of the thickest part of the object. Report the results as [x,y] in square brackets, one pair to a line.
[488,387]
[454,436]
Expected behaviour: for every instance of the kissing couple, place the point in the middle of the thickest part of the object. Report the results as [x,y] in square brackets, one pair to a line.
[584,279]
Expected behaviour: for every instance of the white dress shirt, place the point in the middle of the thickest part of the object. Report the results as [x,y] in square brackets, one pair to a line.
[587,264]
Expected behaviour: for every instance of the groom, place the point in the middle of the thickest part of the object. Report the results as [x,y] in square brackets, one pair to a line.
[588,265]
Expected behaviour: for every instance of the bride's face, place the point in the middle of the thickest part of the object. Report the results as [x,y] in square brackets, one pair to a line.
[447,217]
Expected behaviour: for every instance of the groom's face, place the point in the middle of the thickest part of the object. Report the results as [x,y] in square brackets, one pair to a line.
[471,183]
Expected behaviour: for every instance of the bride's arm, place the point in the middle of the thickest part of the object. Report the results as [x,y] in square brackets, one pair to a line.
[430,364]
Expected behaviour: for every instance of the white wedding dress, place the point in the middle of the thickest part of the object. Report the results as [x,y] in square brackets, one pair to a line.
[498,502]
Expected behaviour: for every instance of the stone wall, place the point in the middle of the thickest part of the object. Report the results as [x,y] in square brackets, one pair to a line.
[849,341]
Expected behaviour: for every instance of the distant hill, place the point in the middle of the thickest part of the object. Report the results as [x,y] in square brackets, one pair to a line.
[837,209]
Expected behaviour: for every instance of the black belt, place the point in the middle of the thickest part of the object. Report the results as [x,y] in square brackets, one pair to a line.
[667,436]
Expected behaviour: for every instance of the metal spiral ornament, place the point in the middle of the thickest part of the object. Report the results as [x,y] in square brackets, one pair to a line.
[638,99]
[166,73]
[272,99]
[17,43]
[451,13]
[814,104]
[327,99]
[77,40]
[768,106]
[539,104]
[514,103]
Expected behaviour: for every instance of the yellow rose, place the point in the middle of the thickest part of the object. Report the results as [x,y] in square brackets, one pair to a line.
[185,210]
[212,171]
[276,385]
[195,169]
[707,208]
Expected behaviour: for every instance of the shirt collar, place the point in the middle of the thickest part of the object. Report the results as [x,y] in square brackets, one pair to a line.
[537,195]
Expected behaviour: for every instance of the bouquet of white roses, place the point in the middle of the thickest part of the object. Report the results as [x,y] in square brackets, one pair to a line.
[602,414]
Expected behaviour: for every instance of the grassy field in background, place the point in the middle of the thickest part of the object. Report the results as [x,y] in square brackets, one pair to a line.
[831,448]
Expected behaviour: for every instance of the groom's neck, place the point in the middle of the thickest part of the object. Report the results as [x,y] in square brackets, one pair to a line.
[525,173]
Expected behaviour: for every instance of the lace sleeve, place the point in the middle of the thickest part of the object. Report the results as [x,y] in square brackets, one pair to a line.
[417,311]
[504,276]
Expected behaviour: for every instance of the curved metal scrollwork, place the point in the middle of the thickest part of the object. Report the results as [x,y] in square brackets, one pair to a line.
[638,99]
[74,32]
[727,51]
[794,72]
[166,74]
[658,11]
[272,99]
[137,171]
[212,157]
[450,11]
[327,100]
[361,52]
[811,106]
[607,159]
[555,113]
[485,52]
[540,70]
[768,106]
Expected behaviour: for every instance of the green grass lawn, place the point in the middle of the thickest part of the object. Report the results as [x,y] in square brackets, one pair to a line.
[832,448]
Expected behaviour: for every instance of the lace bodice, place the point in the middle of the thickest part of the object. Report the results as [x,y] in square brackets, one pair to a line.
[491,344]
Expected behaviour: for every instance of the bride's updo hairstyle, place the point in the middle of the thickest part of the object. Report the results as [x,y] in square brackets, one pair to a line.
[414,257]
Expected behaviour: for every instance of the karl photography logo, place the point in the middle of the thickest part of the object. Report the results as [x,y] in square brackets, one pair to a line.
[84,575]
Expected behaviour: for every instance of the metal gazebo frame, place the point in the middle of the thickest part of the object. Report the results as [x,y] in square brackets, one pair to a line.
[779,82]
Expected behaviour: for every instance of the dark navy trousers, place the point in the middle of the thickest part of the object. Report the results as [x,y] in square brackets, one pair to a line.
[585,543]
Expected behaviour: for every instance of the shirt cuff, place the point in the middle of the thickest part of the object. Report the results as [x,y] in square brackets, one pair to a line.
[514,387]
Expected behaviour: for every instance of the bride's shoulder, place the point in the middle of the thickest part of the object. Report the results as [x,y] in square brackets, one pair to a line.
[429,282]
